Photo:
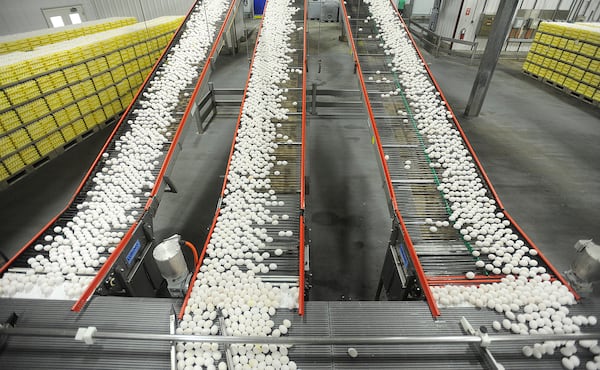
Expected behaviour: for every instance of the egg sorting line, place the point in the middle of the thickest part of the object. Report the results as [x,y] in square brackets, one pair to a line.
[64,259]
[461,236]
[239,285]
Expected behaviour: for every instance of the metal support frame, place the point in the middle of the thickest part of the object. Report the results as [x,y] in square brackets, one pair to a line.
[500,28]
[307,340]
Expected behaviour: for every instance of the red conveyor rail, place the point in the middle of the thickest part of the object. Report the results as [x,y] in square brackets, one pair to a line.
[302,168]
[231,151]
[481,169]
[409,244]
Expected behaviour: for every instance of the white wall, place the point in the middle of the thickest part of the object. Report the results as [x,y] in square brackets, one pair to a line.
[422,7]
[450,8]
[131,8]
[26,15]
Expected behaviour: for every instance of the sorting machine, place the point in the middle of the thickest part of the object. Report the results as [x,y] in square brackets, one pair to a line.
[124,332]
[417,257]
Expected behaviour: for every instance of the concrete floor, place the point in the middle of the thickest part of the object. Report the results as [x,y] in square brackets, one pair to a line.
[538,147]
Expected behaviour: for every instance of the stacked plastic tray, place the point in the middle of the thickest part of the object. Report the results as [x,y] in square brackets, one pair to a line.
[27,41]
[51,96]
[567,55]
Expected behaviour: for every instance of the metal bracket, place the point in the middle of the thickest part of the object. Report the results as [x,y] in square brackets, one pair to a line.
[483,345]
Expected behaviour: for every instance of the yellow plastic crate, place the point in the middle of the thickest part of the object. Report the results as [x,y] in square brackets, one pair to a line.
[68,133]
[558,78]
[14,164]
[3,171]
[588,49]
[36,130]
[53,101]
[45,83]
[79,127]
[126,100]
[26,113]
[58,78]
[116,105]
[19,138]
[72,112]
[90,120]
[61,117]
[6,146]
[44,146]
[72,74]
[107,95]
[29,155]
[114,59]
[118,73]
[597,95]
[591,79]
[109,111]
[56,139]
[99,116]
[571,84]
[3,100]
[123,87]
[49,123]
[9,120]
[576,73]
[66,97]
[582,61]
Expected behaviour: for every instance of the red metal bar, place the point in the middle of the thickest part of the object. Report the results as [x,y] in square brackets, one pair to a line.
[409,245]
[302,170]
[214,223]
[461,280]
[480,166]
[105,268]
[301,269]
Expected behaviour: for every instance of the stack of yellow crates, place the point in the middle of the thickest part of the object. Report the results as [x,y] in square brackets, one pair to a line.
[55,93]
[568,56]
[28,41]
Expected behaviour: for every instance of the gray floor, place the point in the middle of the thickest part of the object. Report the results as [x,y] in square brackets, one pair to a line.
[538,147]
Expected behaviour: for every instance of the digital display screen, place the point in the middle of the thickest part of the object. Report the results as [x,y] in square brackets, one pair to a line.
[133,252]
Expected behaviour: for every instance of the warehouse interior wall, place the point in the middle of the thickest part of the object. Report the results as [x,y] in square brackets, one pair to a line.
[465,16]
[422,7]
[26,15]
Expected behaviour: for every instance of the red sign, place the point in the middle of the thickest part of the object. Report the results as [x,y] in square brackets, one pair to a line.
[468,11]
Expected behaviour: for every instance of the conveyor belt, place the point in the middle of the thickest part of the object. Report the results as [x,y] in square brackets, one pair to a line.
[440,253]
[322,319]
[142,315]
[152,185]
[286,177]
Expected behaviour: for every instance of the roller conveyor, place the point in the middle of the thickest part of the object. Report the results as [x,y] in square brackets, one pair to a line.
[440,254]
[127,238]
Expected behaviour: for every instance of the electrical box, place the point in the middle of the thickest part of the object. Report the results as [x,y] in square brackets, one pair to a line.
[518,23]
[485,24]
